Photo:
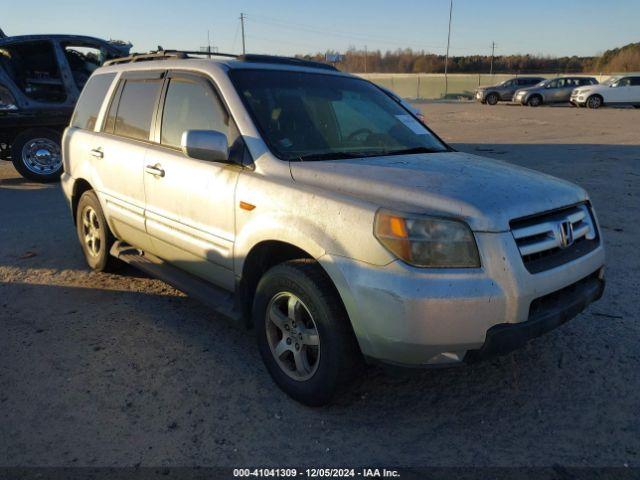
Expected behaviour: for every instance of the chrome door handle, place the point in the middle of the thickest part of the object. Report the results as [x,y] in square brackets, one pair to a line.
[96,152]
[154,170]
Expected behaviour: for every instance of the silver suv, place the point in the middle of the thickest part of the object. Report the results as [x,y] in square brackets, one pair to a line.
[555,90]
[310,205]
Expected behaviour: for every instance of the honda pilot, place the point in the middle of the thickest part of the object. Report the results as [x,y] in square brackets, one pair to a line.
[309,205]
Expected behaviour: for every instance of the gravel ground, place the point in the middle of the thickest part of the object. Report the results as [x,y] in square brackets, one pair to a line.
[114,370]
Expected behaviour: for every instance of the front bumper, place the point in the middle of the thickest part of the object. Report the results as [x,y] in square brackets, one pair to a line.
[579,100]
[546,314]
[479,96]
[520,99]
[422,317]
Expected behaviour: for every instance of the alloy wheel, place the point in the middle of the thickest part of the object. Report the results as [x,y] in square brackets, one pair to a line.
[292,336]
[91,230]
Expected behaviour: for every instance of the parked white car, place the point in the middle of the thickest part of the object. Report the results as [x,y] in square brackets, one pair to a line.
[618,90]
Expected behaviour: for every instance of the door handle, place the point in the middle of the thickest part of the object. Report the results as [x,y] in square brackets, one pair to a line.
[96,152]
[154,170]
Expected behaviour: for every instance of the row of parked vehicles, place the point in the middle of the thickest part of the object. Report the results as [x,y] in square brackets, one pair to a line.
[578,90]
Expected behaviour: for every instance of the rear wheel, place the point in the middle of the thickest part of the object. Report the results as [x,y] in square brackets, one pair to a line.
[94,234]
[594,101]
[36,154]
[492,98]
[534,101]
[303,332]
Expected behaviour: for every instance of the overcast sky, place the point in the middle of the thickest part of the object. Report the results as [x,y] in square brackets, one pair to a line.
[560,27]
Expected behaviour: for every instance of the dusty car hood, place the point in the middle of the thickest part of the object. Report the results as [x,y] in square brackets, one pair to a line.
[485,193]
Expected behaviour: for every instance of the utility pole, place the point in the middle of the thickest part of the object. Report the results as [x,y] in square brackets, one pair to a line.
[365,58]
[446,61]
[242,26]
[208,45]
[493,51]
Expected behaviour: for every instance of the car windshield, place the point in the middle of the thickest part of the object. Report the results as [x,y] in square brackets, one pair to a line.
[313,116]
[542,83]
[611,80]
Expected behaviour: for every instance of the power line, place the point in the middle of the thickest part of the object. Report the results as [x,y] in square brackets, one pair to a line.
[338,33]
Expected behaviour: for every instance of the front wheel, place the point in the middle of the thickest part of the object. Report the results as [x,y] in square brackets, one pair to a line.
[303,332]
[594,101]
[94,234]
[36,154]
[492,99]
[535,101]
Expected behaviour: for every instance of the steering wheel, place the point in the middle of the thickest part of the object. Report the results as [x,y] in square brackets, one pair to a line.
[360,131]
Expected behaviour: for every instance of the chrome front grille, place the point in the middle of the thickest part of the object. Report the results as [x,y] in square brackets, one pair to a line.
[548,240]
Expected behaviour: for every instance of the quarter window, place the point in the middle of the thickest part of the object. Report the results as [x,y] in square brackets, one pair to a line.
[90,101]
[190,105]
[133,114]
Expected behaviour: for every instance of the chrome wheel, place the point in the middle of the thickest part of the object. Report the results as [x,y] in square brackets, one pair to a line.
[41,156]
[91,230]
[292,336]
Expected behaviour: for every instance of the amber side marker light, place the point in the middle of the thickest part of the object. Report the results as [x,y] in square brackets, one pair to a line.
[247,206]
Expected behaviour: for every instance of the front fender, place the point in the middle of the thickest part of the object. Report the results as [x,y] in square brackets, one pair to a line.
[283,227]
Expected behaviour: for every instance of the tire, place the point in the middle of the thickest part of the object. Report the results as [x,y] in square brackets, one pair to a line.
[534,101]
[94,234]
[636,106]
[594,101]
[318,352]
[36,154]
[492,98]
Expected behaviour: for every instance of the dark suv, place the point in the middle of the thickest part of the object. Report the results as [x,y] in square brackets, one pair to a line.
[41,77]
[504,91]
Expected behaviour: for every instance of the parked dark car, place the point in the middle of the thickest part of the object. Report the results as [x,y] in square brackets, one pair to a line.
[41,77]
[503,92]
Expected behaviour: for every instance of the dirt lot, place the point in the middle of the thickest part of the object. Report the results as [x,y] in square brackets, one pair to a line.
[100,369]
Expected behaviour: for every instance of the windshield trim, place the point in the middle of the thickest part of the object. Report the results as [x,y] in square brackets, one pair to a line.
[265,138]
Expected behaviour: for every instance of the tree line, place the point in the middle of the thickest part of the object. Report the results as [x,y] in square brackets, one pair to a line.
[624,59]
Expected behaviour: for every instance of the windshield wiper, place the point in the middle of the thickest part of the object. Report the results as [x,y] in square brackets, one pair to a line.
[408,151]
[335,155]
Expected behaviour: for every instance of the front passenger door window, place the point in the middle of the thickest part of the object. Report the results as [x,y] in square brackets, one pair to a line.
[193,105]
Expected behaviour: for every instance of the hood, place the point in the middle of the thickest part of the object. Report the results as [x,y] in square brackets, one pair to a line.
[528,89]
[492,87]
[485,193]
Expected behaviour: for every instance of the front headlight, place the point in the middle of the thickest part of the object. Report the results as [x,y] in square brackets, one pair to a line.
[7,102]
[424,241]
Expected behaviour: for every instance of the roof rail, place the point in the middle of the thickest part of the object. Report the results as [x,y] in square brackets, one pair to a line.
[184,54]
[300,62]
[163,55]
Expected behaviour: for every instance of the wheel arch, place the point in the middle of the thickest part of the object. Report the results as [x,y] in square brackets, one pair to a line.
[259,259]
[79,187]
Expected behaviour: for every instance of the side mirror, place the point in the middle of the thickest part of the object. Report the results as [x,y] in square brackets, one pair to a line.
[205,145]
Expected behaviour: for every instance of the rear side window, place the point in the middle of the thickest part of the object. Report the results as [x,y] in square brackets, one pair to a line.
[190,105]
[635,81]
[132,114]
[90,101]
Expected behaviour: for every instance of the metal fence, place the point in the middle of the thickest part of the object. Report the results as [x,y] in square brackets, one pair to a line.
[432,85]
